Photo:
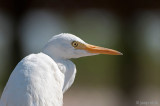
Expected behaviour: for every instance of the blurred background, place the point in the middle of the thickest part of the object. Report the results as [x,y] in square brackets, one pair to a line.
[129,26]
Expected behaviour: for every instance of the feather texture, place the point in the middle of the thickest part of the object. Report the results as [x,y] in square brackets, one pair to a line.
[36,81]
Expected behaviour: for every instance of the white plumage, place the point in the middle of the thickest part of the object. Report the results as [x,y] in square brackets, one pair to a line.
[41,79]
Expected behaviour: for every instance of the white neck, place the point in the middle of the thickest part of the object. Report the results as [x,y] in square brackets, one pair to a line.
[67,67]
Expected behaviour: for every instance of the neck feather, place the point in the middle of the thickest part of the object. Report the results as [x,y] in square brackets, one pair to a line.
[67,67]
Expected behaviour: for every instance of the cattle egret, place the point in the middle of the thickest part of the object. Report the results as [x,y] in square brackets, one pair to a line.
[41,79]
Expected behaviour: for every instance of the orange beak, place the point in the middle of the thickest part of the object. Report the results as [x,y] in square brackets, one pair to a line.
[100,50]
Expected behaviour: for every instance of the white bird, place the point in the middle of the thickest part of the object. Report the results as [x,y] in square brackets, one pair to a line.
[41,79]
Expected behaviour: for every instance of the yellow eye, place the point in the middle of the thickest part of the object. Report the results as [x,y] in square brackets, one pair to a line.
[74,44]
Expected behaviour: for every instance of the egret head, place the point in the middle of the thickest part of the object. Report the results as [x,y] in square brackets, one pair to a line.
[69,46]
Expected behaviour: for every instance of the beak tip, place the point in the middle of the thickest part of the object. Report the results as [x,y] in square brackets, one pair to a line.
[120,53]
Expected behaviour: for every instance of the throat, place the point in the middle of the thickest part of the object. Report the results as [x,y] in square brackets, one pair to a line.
[69,71]
[67,67]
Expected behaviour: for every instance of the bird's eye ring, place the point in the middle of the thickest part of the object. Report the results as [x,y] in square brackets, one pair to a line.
[74,44]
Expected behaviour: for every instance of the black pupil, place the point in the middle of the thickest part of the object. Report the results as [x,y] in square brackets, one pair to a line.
[75,44]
